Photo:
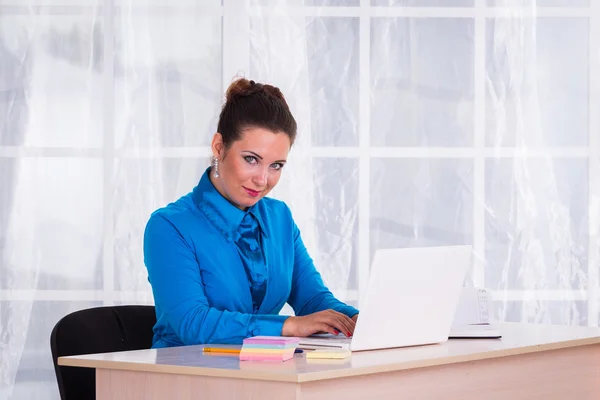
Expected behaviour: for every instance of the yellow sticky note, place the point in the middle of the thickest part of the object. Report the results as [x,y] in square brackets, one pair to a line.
[329,353]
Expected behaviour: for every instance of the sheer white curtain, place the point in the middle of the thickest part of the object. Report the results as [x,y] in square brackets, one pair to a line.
[435,121]
[313,61]
[278,54]
[538,233]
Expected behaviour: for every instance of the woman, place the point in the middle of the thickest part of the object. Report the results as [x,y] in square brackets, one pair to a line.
[224,259]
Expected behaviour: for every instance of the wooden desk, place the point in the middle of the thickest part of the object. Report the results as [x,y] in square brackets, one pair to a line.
[530,361]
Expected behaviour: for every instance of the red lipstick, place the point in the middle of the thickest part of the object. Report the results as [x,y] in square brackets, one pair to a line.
[251,193]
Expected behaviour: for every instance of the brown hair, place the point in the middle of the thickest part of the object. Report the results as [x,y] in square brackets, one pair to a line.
[254,105]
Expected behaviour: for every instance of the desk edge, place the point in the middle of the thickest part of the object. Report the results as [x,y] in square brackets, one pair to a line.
[74,361]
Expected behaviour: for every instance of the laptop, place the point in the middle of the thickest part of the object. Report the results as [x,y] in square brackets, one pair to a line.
[410,300]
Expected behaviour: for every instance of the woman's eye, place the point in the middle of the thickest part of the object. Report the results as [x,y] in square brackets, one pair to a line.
[277,166]
[250,159]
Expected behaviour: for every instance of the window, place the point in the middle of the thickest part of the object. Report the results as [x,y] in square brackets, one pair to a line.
[423,123]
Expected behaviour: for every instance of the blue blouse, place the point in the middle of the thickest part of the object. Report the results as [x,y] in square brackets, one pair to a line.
[249,247]
[219,274]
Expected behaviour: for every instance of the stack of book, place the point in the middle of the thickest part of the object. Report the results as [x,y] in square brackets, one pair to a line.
[269,348]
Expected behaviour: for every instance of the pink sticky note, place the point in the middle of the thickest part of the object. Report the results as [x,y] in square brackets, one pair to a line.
[271,340]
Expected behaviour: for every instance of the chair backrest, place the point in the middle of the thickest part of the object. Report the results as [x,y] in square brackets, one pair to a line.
[97,330]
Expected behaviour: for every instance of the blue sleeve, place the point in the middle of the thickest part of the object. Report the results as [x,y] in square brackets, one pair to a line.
[309,294]
[178,290]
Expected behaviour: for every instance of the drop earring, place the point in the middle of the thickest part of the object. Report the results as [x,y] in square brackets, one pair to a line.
[216,167]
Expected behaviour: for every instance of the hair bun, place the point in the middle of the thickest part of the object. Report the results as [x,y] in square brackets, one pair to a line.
[257,105]
[274,91]
[241,87]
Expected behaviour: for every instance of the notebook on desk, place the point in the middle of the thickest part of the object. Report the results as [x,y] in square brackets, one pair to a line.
[410,300]
[482,331]
[472,318]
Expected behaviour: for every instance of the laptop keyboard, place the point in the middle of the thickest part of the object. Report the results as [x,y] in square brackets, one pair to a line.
[339,338]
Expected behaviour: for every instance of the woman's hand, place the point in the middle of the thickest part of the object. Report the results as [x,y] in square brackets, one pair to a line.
[323,321]
[354,318]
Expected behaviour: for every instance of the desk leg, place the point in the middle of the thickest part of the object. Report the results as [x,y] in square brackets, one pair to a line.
[137,385]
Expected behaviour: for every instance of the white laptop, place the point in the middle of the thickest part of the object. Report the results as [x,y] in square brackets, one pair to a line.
[411,299]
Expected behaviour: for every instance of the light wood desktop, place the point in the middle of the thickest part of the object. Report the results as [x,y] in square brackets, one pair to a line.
[530,361]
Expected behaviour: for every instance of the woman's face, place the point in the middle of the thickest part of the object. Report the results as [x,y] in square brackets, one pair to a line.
[251,167]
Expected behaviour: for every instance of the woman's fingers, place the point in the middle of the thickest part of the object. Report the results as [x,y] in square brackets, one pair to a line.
[336,322]
[346,322]
[346,319]
[325,327]
[329,321]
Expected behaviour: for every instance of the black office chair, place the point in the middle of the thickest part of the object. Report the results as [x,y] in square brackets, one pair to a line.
[97,330]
